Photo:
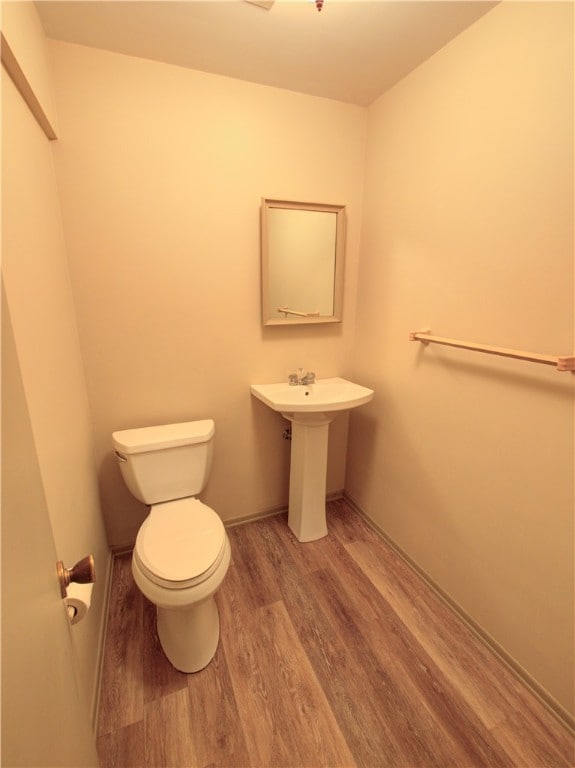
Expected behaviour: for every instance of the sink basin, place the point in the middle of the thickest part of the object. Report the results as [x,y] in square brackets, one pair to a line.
[322,396]
[310,409]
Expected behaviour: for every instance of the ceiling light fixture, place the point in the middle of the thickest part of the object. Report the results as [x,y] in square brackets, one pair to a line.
[319,4]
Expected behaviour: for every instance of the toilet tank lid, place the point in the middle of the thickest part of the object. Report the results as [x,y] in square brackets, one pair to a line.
[164,436]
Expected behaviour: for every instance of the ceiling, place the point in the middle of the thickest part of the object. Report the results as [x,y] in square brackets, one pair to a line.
[352,51]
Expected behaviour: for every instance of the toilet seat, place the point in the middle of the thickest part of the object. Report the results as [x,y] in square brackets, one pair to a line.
[180,544]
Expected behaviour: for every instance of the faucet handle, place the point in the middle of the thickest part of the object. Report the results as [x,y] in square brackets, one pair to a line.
[301,378]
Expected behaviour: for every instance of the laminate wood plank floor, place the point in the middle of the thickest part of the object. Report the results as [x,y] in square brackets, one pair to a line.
[332,653]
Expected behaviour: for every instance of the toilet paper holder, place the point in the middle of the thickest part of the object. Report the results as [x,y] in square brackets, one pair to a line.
[84,572]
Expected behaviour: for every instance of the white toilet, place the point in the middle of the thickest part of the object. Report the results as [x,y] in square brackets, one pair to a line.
[182,551]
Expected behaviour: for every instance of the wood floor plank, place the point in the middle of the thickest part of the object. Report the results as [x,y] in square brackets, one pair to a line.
[542,732]
[488,686]
[346,525]
[168,733]
[251,690]
[286,717]
[122,700]
[216,728]
[458,653]
[416,696]
[260,587]
[307,557]
[123,747]
[405,689]
[531,745]
[347,683]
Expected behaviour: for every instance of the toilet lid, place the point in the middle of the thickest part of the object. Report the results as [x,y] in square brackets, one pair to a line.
[180,541]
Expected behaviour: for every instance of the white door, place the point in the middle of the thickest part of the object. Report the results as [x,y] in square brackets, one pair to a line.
[44,723]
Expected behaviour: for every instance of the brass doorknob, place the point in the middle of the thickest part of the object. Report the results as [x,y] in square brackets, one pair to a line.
[84,572]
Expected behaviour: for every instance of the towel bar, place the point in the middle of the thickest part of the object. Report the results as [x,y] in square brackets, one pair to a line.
[562,363]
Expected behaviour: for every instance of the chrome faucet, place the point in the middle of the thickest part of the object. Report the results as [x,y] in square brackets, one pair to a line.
[301,379]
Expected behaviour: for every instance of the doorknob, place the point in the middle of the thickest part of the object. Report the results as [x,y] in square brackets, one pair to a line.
[84,572]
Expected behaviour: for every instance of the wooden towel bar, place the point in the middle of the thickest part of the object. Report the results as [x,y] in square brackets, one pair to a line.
[564,363]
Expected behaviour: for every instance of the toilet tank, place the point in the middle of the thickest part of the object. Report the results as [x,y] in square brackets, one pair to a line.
[167,462]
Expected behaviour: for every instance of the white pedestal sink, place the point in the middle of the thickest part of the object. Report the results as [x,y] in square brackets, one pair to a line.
[310,408]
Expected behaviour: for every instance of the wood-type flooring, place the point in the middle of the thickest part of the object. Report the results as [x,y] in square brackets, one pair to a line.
[332,653]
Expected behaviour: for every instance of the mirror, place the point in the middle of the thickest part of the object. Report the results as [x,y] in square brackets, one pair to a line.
[303,246]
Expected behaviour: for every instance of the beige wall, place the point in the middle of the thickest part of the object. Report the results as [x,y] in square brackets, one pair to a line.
[161,172]
[39,298]
[467,461]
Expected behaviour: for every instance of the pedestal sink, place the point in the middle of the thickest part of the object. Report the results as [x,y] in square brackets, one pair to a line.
[310,408]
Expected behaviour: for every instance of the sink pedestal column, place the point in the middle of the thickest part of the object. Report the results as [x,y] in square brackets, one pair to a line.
[306,516]
[310,410]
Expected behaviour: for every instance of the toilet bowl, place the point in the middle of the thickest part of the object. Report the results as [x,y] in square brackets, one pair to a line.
[182,552]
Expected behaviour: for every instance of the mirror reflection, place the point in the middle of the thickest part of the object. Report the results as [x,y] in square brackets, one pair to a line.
[302,262]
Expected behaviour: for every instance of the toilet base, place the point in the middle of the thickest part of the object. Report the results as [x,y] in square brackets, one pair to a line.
[188,621]
[189,637]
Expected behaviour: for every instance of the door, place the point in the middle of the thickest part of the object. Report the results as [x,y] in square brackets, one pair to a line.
[43,719]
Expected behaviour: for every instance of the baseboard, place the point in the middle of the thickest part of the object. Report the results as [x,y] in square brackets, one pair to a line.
[122,549]
[271,511]
[95,710]
[550,703]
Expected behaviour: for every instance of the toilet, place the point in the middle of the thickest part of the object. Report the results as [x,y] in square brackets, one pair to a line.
[182,552]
